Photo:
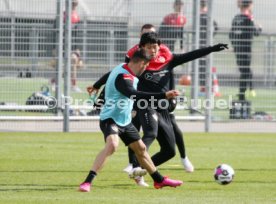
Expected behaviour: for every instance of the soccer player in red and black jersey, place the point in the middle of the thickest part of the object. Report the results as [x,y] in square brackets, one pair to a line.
[163,50]
[156,78]
[136,121]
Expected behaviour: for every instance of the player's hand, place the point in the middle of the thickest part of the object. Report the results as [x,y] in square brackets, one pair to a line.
[91,89]
[172,94]
[219,47]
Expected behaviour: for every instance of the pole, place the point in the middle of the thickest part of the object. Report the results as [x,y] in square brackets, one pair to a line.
[67,71]
[59,51]
[196,29]
[209,65]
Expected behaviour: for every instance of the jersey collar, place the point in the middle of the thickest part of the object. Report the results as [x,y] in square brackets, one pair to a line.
[125,66]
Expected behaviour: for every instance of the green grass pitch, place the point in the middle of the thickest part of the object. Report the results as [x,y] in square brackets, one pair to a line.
[48,167]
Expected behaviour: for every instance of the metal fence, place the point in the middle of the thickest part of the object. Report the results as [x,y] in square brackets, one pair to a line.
[32,44]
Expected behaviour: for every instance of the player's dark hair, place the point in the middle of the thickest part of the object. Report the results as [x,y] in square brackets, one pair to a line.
[177,2]
[151,38]
[147,26]
[140,55]
[75,3]
[245,3]
[203,3]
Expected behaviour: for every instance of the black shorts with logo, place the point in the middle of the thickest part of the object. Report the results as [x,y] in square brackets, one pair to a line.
[128,133]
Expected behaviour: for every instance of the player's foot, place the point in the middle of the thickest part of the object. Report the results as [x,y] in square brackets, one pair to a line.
[168,182]
[128,168]
[140,181]
[137,171]
[85,187]
[187,165]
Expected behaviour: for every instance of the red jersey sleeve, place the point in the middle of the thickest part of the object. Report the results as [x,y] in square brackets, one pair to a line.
[128,77]
[131,51]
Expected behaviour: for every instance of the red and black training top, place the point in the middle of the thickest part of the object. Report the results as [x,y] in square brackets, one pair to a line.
[157,76]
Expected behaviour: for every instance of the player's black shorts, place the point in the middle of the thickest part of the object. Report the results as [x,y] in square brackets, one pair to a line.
[128,134]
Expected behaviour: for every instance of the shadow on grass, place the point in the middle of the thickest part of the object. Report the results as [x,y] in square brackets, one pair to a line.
[43,171]
[34,187]
[45,188]
[52,188]
[27,189]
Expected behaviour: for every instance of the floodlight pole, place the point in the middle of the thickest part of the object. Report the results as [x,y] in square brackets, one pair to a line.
[195,71]
[67,71]
[209,65]
[59,51]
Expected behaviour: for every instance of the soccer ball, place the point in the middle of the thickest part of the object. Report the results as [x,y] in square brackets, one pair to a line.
[224,174]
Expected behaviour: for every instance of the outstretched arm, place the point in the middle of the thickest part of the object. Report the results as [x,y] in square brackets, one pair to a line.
[189,56]
[124,84]
[101,81]
[97,85]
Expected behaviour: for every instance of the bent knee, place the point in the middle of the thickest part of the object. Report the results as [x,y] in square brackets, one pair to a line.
[148,138]
[112,147]
[140,149]
[170,151]
[150,134]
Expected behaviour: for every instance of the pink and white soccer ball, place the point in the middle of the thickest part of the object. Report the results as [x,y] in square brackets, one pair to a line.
[224,174]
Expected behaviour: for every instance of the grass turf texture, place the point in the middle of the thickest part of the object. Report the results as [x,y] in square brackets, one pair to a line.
[47,168]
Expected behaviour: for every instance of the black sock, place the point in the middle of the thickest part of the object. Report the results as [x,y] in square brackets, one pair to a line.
[157,177]
[90,177]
